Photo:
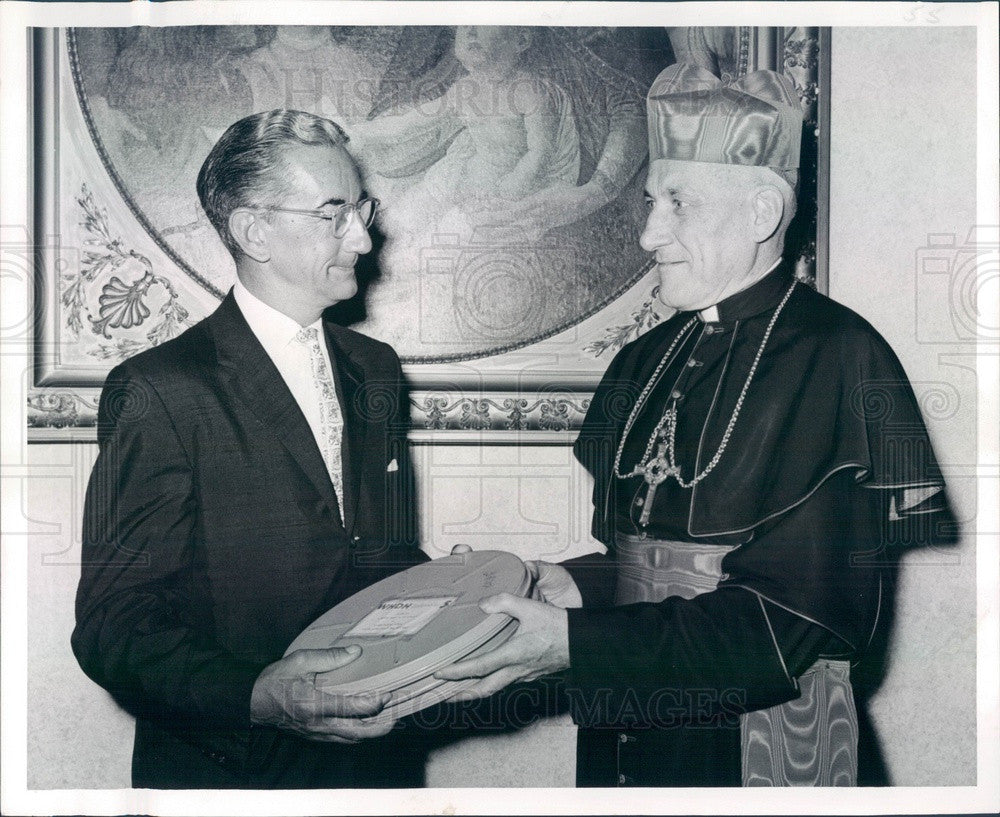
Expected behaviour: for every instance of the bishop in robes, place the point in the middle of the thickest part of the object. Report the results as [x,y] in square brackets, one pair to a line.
[759,461]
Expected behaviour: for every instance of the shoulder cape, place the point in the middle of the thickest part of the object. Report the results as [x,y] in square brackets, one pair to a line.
[829,394]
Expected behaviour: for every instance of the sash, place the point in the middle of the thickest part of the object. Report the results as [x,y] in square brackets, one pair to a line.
[809,741]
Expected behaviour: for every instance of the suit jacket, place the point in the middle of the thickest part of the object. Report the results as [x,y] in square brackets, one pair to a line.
[213,536]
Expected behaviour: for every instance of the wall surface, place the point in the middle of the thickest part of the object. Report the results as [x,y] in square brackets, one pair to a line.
[903,188]
[903,168]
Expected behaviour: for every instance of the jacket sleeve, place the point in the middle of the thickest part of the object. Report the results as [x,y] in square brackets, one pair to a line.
[594,574]
[686,662]
[136,633]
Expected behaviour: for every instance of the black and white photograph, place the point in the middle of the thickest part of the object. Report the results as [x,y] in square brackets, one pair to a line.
[499,408]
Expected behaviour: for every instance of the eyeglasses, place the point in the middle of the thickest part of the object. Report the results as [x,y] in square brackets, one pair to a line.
[339,215]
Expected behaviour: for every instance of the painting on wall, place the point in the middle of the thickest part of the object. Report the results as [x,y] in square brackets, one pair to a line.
[509,162]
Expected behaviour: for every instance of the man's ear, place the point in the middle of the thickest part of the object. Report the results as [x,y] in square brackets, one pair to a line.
[767,207]
[247,230]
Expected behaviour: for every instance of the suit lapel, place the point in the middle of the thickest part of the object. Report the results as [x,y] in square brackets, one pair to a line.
[259,384]
[349,376]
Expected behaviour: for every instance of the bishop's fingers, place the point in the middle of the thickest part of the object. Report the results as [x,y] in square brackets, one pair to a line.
[489,685]
[502,657]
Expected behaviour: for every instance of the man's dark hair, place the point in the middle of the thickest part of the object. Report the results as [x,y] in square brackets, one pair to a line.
[246,167]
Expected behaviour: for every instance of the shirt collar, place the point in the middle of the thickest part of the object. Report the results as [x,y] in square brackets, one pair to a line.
[274,329]
[757,298]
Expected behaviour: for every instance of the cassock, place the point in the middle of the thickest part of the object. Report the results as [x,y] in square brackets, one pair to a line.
[765,583]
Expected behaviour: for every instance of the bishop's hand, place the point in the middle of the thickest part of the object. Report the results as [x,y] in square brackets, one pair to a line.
[554,584]
[539,647]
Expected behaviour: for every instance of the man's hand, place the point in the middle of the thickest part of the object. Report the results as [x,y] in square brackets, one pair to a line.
[289,694]
[539,647]
[555,584]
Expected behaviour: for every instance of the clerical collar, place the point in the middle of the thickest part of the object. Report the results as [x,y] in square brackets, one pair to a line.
[757,298]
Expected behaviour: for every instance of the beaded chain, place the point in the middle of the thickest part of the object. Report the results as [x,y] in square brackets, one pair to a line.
[668,423]
[639,404]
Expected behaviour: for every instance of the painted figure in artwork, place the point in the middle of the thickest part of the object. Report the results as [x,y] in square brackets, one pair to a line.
[497,135]
[304,68]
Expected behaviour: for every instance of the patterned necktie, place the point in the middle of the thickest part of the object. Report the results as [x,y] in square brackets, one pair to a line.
[330,418]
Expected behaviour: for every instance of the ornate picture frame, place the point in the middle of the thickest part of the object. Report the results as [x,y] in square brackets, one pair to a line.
[501,332]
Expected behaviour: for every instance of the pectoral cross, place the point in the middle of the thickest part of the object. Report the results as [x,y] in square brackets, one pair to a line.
[655,471]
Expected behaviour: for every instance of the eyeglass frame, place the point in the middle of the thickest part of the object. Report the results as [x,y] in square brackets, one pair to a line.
[331,215]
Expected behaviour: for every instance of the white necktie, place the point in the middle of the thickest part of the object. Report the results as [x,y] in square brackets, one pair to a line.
[330,418]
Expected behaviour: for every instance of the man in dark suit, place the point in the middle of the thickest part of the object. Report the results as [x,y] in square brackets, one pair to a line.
[252,473]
